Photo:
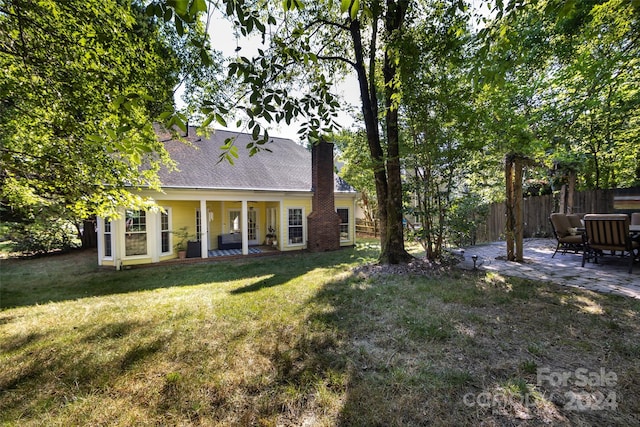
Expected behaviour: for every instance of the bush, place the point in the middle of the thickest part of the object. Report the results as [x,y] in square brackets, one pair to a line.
[42,237]
[466,215]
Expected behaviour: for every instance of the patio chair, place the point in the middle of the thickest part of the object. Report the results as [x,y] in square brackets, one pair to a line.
[635,218]
[567,238]
[608,232]
[575,220]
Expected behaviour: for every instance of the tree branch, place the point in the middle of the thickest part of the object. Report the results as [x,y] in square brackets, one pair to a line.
[337,58]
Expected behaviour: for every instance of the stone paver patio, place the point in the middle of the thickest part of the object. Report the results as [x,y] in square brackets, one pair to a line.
[610,275]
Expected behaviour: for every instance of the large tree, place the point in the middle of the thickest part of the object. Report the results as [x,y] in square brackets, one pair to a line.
[82,82]
[313,43]
[438,116]
[569,73]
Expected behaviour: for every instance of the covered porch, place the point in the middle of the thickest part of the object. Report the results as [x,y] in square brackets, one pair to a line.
[195,224]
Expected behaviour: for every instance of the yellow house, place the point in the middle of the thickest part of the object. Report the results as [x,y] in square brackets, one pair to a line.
[287,198]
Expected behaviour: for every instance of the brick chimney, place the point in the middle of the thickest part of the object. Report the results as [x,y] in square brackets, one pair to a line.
[323,222]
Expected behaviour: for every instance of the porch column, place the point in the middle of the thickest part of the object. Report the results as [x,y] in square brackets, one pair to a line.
[245,229]
[204,230]
[282,223]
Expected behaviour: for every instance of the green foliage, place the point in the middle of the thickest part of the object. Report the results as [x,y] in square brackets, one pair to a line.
[43,236]
[82,83]
[468,213]
[438,116]
[560,86]
[357,169]
[182,238]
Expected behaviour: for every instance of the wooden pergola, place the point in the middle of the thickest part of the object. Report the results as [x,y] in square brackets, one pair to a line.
[514,236]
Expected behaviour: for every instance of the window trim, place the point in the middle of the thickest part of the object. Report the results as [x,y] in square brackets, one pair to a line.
[347,224]
[198,225]
[107,222]
[167,212]
[230,228]
[145,233]
[301,226]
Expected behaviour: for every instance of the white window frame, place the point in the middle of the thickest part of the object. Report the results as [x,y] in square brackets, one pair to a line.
[301,226]
[167,213]
[343,224]
[107,230]
[145,233]
[230,228]
[198,225]
[272,220]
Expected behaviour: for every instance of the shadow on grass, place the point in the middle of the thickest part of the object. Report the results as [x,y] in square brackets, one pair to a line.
[405,348]
[74,276]
[66,370]
[383,350]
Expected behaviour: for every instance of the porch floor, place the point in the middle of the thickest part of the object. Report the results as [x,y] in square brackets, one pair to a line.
[231,252]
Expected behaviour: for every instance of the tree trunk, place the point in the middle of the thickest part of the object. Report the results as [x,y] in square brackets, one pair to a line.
[387,173]
[510,220]
[563,199]
[517,203]
[371,128]
[393,251]
[571,191]
[89,236]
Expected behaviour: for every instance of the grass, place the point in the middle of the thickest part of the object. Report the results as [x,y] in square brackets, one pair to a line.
[305,339]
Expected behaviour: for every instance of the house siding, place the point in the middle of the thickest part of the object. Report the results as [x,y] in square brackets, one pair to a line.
[303,203]
[283,181]
[348,203]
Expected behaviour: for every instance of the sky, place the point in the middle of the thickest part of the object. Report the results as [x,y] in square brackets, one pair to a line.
[223,39]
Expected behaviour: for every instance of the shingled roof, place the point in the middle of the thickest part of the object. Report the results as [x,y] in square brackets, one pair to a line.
[286,168]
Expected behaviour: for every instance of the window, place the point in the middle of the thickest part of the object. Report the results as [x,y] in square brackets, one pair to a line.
[295,226]
[344,223]
[198,225]
[271,222]
[135,233]
[234,221]
[165,234]
[107,239]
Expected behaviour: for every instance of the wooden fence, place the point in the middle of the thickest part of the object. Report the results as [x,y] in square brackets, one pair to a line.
[536,211]
[367,228]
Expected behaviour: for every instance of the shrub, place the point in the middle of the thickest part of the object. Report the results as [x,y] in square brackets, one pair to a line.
[43,236]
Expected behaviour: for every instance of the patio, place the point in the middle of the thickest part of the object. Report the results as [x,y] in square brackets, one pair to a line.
[610,275]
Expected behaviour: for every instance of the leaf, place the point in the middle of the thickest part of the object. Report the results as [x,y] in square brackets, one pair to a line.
[355,8]
[168,14]
[197,6]
[179,26]
[205,57]
[151,9]
[344,5]
[207,121]
[181,7]
[220,120]
[165,115]
[180,123]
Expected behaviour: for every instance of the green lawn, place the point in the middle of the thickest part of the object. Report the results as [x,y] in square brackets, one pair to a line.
[308,339]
